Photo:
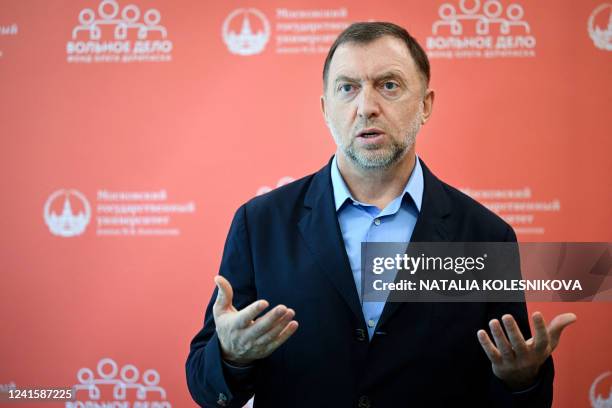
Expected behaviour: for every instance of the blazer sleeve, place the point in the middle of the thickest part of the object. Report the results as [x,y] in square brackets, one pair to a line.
[541,393]
[211,382]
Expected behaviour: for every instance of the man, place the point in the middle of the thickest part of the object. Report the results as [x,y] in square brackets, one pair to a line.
[297,250]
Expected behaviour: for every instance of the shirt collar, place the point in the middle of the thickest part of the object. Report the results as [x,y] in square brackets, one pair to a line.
[414,187]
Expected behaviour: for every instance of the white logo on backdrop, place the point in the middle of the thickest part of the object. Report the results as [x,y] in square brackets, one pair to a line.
[12,29]
[601,35]
[8,30]
[491,16]
[600,401]
[248,31]
[8,386]
[476,30]
[67,223]
[108,14]
[115,213]
[137,36]
[281,182]
[121,382]
[246,42]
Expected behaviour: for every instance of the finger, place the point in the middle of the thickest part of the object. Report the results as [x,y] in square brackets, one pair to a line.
[267,321]
[283,336]
[501,341]
[541,338]
[489,348]
[277,328]
[514,334]
[225,295]
[557,325]
[245,317]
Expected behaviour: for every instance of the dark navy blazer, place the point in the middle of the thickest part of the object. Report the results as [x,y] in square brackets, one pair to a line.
[286,247]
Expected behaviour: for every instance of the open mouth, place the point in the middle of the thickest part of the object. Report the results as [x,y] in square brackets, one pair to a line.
[370,134]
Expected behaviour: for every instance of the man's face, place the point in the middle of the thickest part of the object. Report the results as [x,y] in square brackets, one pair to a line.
[375,102]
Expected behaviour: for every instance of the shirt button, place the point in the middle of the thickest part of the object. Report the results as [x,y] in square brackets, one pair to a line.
[364,402]
[222,400]
[371,323]
[360,335]
[377,221]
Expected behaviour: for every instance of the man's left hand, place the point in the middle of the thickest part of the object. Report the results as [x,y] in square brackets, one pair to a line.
[515,361]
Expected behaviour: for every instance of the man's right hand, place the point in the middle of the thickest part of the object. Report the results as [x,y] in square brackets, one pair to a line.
[244,339]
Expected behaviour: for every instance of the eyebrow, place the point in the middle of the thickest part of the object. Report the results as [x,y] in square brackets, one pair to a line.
[345,78]
[384,76]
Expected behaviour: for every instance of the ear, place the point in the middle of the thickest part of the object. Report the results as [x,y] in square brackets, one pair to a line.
[428,101]
[323,108]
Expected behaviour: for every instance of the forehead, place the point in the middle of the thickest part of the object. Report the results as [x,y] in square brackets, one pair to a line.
[368,60]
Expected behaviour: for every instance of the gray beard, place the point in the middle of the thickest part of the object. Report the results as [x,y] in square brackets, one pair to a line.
[380,160]
[385,158]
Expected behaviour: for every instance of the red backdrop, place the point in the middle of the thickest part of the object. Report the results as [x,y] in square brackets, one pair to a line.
[154,121]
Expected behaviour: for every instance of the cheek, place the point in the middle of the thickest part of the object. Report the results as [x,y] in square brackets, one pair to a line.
[409,116]
[340,119]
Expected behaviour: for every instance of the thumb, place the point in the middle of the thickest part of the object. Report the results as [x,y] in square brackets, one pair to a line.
[225,295]
[557,325]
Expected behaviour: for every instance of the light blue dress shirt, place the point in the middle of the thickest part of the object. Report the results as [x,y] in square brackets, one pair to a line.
[360,222]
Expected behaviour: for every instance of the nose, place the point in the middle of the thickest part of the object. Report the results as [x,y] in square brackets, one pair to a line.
[367,103]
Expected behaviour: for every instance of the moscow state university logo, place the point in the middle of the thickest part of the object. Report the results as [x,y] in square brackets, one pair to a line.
[246,31]
[67,213]
[600,27]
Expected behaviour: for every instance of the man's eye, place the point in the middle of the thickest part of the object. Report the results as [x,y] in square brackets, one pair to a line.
[346,88]
[390,86]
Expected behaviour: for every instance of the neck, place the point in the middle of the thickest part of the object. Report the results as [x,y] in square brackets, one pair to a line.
[376,186]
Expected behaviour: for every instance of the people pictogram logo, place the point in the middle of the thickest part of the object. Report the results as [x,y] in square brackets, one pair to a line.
[112,33]
[116,386]
[475,29]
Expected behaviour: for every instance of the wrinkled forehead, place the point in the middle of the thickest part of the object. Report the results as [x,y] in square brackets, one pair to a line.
[366,61]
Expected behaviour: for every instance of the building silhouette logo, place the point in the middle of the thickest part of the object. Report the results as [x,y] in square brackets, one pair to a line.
[69,222]
[598,400]
[249,40]
[113,386]
[600,27]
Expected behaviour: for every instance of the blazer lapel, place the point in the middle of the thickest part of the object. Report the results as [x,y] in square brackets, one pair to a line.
[321,232]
